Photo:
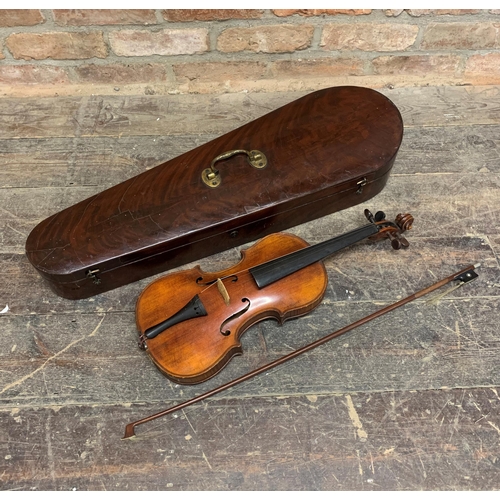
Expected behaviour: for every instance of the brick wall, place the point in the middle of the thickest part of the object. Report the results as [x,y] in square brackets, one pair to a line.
[159,51]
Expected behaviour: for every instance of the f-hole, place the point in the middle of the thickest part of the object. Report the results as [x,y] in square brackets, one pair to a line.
[234,316]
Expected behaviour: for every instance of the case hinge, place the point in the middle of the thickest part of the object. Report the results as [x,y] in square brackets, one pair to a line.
[92,274]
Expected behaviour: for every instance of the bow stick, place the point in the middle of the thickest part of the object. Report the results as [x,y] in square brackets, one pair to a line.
[463,276]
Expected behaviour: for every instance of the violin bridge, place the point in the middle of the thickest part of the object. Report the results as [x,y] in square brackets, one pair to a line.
[223,291]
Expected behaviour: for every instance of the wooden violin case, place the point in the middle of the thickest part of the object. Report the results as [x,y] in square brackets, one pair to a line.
[324,152]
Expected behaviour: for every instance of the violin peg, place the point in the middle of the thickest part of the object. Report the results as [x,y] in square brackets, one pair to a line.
[391,230]
[404,242]
[395,243]
[369,216]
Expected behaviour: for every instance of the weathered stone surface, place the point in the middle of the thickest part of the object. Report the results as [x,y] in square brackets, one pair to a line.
[88,17]
[269,39]
[441,12]
[30,74]
[184,15]
[461,36]
[57,45]
[121,73]
[393,12]
[368,37]
[483,64]
[165,42]
[20,17]
[320,12]
[314,68]
[416,64]
[220,71]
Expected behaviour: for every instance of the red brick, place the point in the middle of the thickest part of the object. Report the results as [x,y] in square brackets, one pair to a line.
[20,17]
[460,36]
[393,12]
[320,12]
[60,45]
[441,12]
[268,39]
[164,42]
[220,71]
[416,64]
[29,74]
[315,68]
[183,15]
[86,17]
[121,73]
[483,64]
[369,37]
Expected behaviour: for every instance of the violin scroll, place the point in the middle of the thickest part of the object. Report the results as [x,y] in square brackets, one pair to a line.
[404,221]
[391,230]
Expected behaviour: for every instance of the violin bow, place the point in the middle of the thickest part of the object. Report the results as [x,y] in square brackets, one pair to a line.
[462,277]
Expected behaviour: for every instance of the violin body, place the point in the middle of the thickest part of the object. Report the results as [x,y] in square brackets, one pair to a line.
[191,322]
[196,349]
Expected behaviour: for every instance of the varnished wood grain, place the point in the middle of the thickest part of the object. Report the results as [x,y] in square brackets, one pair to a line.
[409,402]
[318,149]
[192,353]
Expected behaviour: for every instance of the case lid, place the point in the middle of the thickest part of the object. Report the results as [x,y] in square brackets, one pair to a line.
[315,146]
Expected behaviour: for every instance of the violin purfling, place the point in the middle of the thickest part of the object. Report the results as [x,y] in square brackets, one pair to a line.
[191,321]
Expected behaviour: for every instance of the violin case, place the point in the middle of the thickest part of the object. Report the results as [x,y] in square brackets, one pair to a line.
[324,152]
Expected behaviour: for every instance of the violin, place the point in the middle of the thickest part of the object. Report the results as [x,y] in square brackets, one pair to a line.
[191,321]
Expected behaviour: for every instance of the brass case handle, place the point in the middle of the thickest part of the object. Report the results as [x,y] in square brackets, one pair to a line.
[211,176]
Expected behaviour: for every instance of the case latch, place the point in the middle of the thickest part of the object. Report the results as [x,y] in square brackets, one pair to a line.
[92,274]
[361,184]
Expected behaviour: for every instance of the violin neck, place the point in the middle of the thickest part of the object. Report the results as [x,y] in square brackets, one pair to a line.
[276,269]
